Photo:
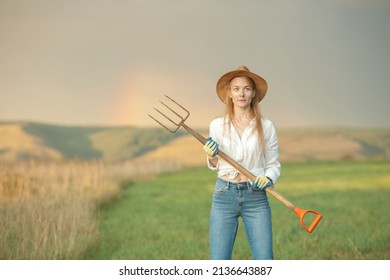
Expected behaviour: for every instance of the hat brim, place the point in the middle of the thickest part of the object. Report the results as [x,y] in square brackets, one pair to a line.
[223,83]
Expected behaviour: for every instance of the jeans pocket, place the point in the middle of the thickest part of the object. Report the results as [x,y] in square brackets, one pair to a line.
[220,188]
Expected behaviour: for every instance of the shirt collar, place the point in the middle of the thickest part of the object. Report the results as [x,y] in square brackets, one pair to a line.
[227,120]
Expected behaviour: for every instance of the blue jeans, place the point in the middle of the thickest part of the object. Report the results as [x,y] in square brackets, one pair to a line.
[230,201]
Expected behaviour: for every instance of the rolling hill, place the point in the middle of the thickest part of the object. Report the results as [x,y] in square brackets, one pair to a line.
[20,141]
[28,140]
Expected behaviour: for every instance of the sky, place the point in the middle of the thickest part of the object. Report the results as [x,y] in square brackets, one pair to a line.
[95,62]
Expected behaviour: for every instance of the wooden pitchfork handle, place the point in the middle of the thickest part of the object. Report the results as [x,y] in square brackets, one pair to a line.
[298,211]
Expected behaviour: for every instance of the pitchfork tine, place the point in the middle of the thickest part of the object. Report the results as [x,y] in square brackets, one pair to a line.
[172,131]
[178,125]
[172,112]
[177,104]
[166,116]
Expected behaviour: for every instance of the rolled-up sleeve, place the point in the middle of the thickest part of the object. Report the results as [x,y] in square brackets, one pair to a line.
[213,133]
[271,152]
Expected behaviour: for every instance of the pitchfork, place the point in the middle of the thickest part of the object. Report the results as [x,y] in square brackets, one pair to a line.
[177,124]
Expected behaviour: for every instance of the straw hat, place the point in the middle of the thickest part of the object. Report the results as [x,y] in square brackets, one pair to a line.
[223,82]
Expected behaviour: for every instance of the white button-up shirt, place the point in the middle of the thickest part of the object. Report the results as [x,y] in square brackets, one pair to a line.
[246,150]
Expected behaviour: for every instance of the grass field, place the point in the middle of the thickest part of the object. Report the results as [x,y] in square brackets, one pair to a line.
[167,217]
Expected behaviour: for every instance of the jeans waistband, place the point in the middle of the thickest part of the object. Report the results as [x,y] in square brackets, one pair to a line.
[237,185]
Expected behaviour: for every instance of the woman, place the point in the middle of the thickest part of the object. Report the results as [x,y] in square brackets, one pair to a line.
[251,141]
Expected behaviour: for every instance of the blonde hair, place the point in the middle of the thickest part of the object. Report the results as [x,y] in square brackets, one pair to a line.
[254,111]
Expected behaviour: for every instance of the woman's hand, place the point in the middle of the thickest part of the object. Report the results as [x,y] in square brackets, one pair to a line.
[211,148]
[262,182]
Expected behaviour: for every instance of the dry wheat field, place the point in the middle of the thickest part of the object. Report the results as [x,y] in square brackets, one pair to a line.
[49,210]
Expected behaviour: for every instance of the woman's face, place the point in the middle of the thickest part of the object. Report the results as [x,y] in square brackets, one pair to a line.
[242,91]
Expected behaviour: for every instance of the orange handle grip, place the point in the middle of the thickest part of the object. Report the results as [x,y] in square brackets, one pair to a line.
[302,212]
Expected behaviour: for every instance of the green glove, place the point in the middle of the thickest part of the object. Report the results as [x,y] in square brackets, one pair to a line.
[261,183]
[211,147]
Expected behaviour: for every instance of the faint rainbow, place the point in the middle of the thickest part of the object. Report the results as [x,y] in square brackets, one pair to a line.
[127,103]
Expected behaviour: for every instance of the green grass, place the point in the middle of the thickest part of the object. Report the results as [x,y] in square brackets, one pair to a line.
[167,218]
